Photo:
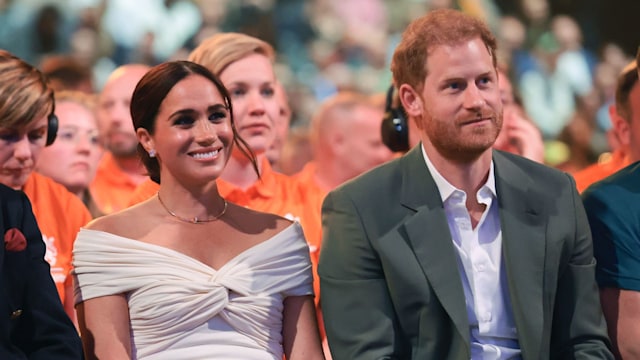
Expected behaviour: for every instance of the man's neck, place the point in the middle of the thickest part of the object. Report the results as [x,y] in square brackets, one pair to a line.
[467,176]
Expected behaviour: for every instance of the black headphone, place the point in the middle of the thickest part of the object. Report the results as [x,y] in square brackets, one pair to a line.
[395,129]
[52,122]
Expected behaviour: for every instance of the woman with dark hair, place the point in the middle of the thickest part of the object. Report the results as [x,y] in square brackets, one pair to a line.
[186,274]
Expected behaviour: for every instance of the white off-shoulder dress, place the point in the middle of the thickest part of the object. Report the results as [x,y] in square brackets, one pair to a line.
[180,308]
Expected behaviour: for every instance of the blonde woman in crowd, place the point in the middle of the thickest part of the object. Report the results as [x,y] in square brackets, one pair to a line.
[188,274]
[27,125]
[73,159]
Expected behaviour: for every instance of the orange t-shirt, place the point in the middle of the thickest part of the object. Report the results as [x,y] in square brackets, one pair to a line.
[112,188]
[60,215]
[596,172]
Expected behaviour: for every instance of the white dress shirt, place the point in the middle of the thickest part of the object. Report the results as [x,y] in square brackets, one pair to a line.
[492,329]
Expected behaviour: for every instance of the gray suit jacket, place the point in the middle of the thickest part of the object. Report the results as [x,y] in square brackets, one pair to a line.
[390,285]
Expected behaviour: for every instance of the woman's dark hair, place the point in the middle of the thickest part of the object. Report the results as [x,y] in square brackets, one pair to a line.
[151,91]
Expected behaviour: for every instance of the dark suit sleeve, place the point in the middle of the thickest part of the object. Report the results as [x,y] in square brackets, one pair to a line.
[359,318]
[579,329]
[45,331]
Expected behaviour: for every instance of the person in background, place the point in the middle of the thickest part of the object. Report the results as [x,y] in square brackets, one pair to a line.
[346,142]
[120,170]
[72,160]
[624,128]
[67,73]
[225,281]
[457,250]
[274,153]
[518,134]
[612,208]
[27,125]
[34,324]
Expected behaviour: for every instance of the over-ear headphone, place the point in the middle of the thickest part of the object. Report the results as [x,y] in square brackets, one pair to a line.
[52,122]
[395,129]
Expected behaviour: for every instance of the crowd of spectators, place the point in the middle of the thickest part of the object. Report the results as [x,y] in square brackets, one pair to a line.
[324,46]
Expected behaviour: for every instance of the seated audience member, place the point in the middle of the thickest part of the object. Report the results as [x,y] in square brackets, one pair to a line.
[120,171]
[625,126]
[73,158]
[34,324]
[188,274]
[457,250]
[518,134]
[27,125]
[345,141]
[67,73]
[613,209]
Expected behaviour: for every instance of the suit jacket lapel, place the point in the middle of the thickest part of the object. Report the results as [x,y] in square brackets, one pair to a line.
[429,236]
[523,249]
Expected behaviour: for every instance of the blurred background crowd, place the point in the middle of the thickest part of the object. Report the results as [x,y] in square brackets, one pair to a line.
[563,56]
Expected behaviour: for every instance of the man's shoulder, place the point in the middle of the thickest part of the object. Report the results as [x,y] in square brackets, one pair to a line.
[539,173]
[379,180]
[625,182]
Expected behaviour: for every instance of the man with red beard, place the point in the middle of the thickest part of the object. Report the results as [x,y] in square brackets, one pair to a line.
[120,170]
[457,250]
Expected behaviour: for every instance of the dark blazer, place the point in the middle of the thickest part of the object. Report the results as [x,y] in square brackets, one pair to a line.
[33,324]
[390,285]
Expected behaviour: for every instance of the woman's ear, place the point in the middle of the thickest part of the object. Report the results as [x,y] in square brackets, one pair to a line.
[144,138]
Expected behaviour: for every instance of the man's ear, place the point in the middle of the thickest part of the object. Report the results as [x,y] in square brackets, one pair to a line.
[620,126]
[144,138]
[411,102]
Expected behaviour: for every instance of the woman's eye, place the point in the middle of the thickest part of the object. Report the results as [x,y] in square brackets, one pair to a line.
[37,135]
[237,92]
[218,115]
[9,136]
[267,92]
[183,121]
[94,139]
[66,136]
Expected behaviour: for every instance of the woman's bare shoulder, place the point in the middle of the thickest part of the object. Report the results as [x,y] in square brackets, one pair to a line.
[257,222]
[123,223]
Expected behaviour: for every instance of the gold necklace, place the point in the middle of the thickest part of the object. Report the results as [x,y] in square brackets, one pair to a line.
[195,219]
